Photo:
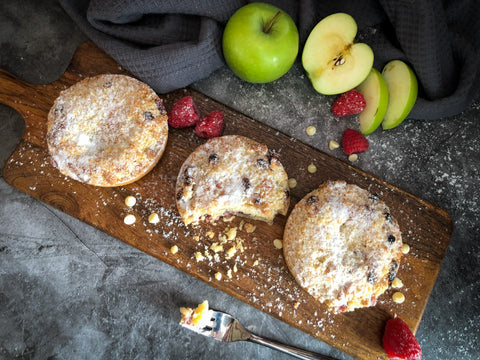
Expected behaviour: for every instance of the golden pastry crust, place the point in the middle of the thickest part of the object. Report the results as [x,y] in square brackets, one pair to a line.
[342,245]
[107,130]
[231,175]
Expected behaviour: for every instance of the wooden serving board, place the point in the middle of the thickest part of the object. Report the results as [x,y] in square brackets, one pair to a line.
[261,278]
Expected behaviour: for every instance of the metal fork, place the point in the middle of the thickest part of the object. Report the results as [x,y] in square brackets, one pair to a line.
[225,327]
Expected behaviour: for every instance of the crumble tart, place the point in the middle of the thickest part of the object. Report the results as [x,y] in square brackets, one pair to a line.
[107,130]
[342,246]
[231,175]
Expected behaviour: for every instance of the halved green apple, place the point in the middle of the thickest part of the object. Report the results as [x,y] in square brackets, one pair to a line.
[374,90]
[402,92]
[333,62]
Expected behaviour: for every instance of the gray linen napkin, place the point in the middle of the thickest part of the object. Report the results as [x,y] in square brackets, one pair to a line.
[171,44]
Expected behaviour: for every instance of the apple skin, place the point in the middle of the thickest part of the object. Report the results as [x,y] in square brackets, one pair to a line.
[402,92]
[333,62]
[374,90]
[252,54]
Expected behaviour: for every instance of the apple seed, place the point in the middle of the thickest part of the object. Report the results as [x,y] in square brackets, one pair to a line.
[340,61]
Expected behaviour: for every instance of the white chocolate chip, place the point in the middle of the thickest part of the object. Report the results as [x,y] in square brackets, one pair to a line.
[332,145]
[129,219]
[130,201]
[405,248]
[312,169]
[292,183]
[218,276]
[174,249]
[398,297]
[153,218]
[278,243]
[352,157]
[397,283]
[311,130]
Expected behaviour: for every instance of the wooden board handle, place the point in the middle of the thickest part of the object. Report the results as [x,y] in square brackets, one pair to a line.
[34,101]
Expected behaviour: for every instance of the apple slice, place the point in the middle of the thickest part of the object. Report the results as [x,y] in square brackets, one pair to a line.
[333,62]
[374,90]
[402,92]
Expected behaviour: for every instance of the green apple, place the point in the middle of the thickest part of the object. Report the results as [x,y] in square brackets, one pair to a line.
[374,90]
[333,62]
[260,43]
[402,92]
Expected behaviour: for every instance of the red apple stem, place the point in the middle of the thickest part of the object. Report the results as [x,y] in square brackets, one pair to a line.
[268,27]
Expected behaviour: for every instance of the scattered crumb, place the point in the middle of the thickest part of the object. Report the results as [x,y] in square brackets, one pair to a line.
[229,273]
[235,268]
[129,219]
[231,233]
[296,305]
[196,238]
[311,130]
[352,157]
[210,234]
[130,201]
[255,263]
[239,244]
[218,276]
[174,249]
[249,228]
[153,218]
[216,247]
[199,256]
[278,243]
[230,252]
[312,169]
[292,183]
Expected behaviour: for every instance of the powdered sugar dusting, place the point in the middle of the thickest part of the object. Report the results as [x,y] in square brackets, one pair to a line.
[106,130]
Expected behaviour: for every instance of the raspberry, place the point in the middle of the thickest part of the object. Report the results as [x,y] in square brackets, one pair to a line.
[354,142]
[399,342]
[211,125]
[184,113]
[349,103]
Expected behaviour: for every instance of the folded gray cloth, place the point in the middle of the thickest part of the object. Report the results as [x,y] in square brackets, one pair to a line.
[171,44]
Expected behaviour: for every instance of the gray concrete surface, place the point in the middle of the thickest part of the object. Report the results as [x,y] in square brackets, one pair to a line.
[68,291]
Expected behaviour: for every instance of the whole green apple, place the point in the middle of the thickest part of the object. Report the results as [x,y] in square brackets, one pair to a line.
[260,43]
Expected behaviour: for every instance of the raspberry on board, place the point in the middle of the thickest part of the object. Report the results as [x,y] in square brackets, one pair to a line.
[184,113]
[211,125]
[399,341]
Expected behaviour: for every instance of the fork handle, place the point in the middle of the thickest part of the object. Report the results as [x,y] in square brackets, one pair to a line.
[299,353]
